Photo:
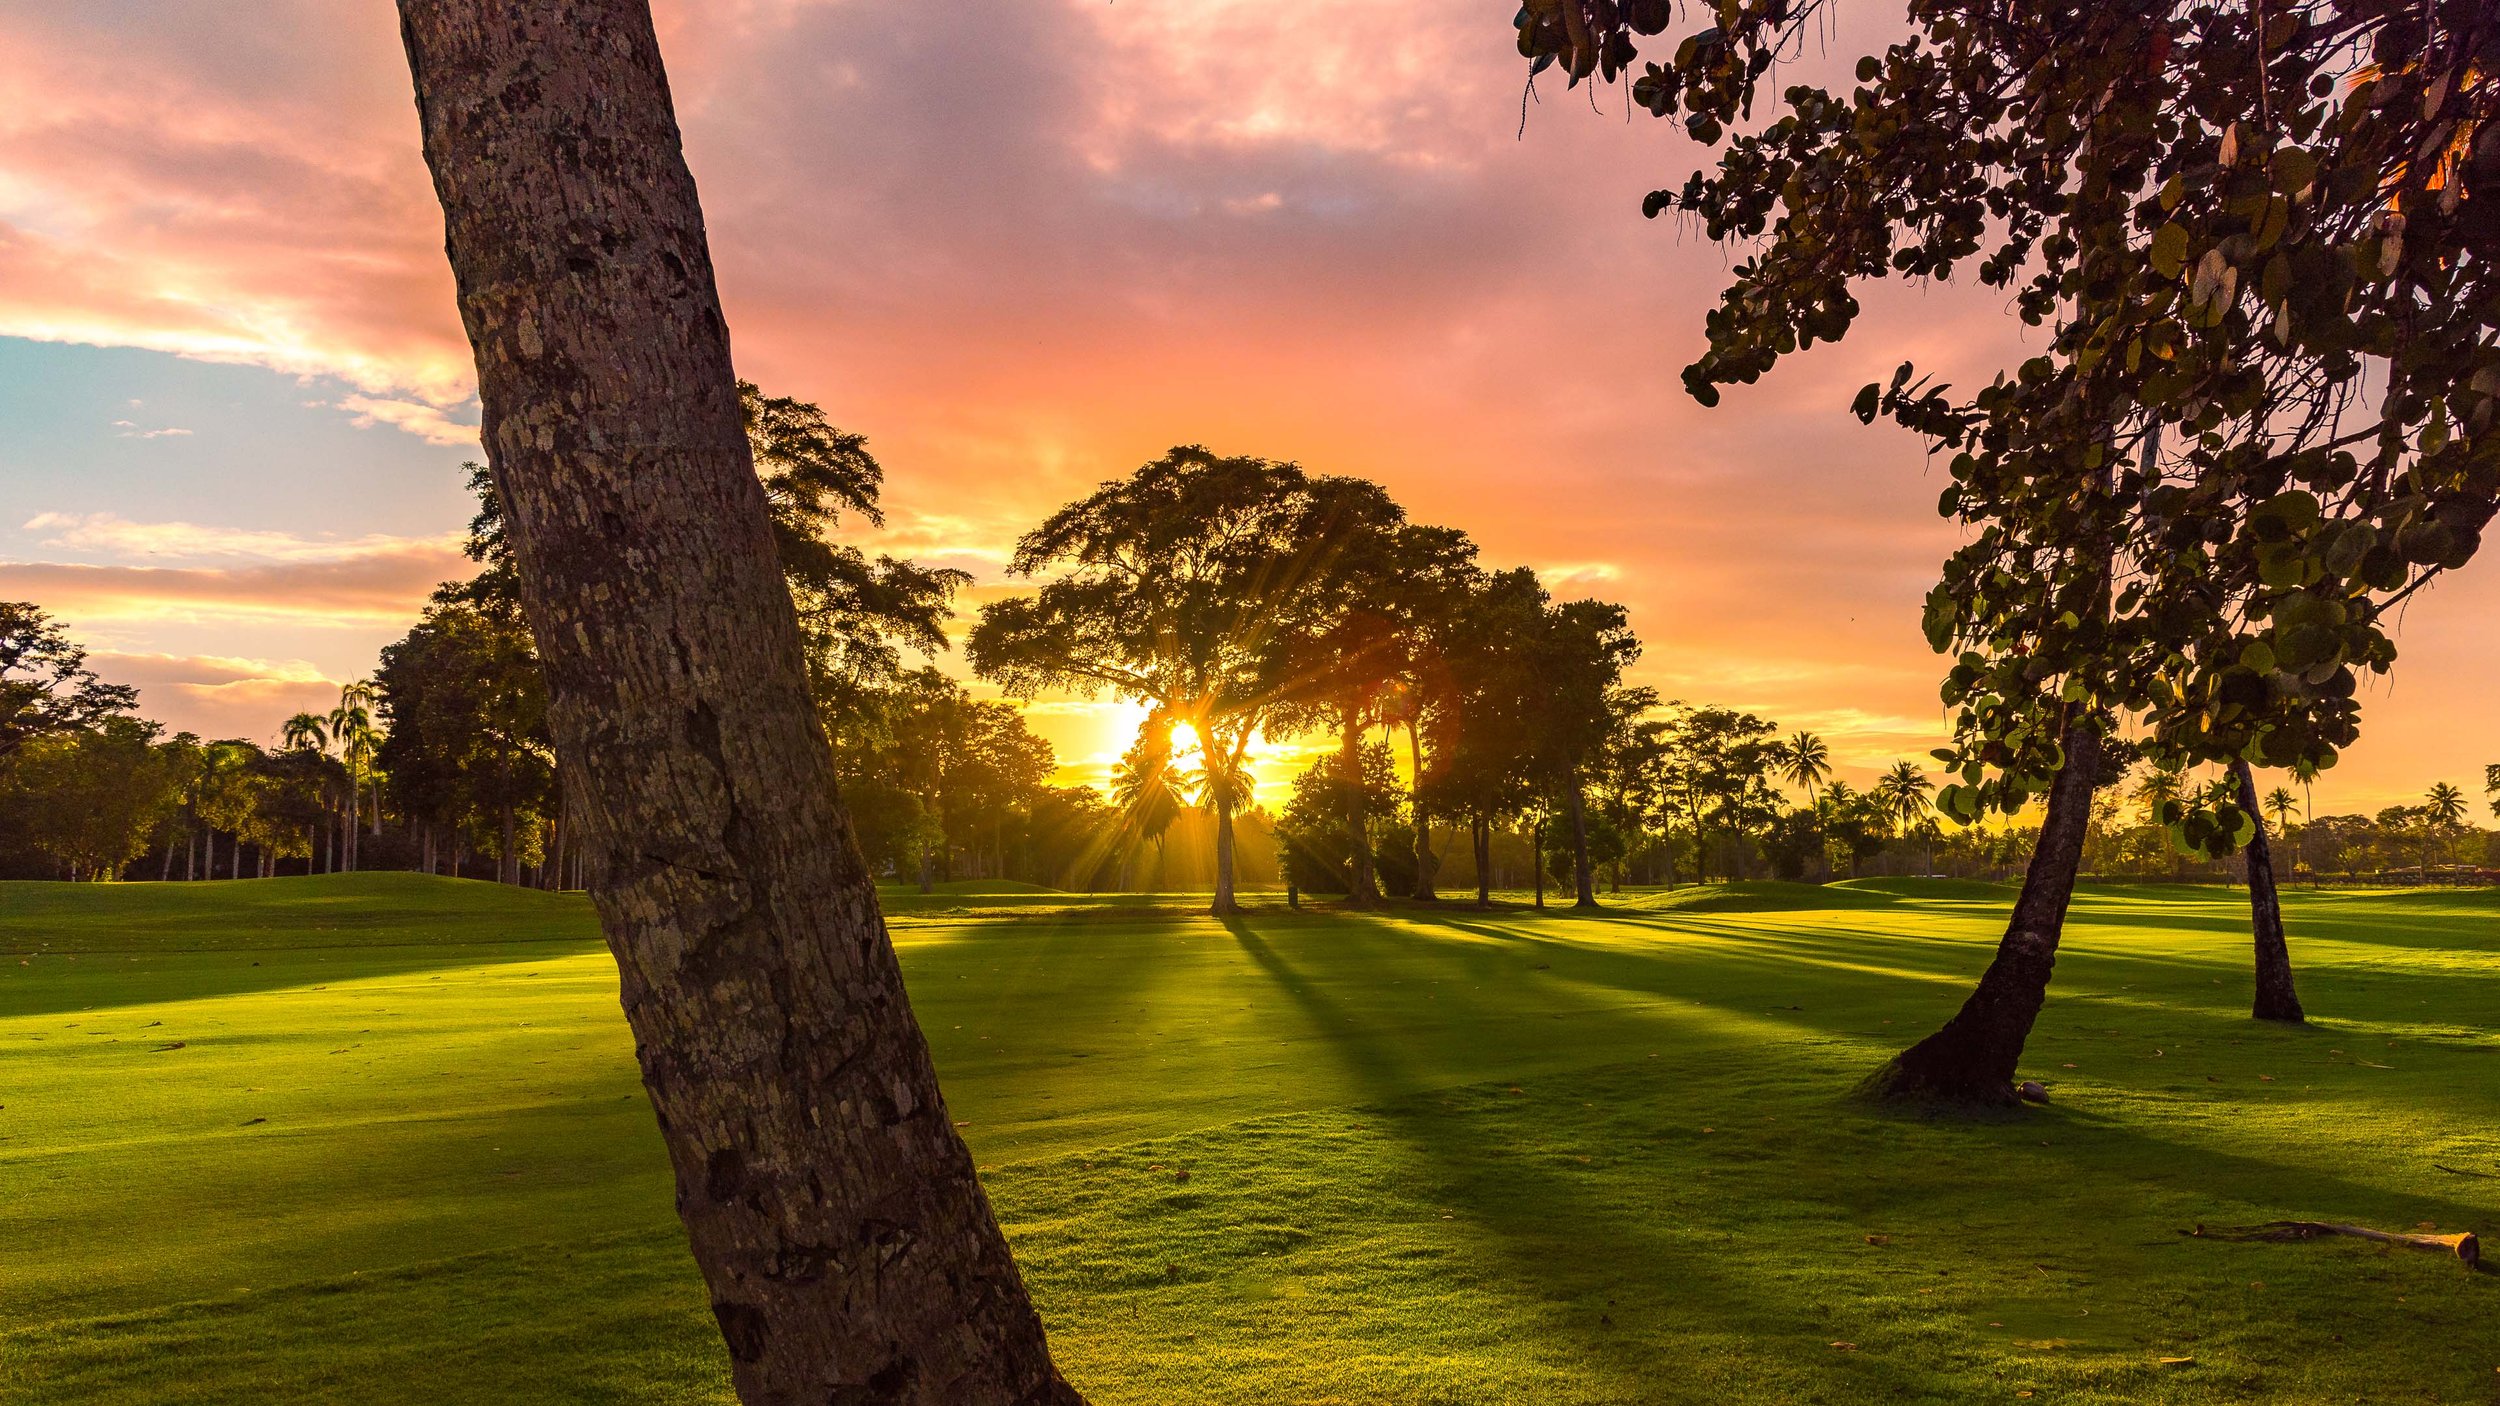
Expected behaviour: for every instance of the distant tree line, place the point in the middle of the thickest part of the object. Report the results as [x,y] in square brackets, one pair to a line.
[441,763]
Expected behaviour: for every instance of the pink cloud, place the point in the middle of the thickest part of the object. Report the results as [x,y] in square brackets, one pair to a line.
[1026,245]
[384,587]
[216,696]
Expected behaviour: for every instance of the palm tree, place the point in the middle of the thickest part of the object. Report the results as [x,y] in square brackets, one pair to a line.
[2491,785]
[2282,805]
[2444,808]
[1803,760]
[2162,784]
[1149,790]
[307,732]
[1903,794]
[2159,786]
[351,726]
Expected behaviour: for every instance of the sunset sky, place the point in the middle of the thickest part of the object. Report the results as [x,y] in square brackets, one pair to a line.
[1024,246]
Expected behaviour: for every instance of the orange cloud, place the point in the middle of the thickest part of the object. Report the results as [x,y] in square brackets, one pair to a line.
[1026,245]
[215,696]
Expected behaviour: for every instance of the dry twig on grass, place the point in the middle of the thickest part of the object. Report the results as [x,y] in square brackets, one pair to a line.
[2463,1244]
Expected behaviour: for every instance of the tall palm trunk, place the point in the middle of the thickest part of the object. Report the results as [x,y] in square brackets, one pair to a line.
[850,1252]
[2276,1000]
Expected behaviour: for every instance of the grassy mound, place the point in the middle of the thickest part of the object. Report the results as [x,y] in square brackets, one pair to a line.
[1933,890]
[1755,896]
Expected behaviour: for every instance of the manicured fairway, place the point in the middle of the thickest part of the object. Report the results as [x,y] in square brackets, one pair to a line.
[380,1139]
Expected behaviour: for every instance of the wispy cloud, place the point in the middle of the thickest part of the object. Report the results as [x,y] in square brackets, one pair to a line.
[110,534]
[430,423]
[128,430]
[359,595]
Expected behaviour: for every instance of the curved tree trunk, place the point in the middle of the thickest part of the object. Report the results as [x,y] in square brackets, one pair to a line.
[1971,1060]
[1424,862]
[849,1249]
[1585,889]
[2276,1000]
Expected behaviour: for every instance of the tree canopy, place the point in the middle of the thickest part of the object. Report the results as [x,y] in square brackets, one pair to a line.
[45,684]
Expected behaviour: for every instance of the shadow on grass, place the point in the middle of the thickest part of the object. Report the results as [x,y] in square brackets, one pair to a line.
[1541,1223]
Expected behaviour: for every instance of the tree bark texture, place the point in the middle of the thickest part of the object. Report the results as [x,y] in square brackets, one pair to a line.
[850,1251]
[1971,1060]
[2276,999]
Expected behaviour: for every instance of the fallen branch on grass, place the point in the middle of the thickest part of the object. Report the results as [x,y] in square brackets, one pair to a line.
[2462,1172]
[2463,1245]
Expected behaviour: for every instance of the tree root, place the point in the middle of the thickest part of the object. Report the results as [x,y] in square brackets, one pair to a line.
[2463,1245]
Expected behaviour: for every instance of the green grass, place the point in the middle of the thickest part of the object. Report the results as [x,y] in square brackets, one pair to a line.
[401,1153]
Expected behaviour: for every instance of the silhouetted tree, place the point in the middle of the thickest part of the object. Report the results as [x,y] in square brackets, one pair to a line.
[45,684]
[1169,587]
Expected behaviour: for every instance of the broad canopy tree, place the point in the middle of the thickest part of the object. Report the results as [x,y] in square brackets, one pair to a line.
[45,684]
[1169,588]
[2267,229]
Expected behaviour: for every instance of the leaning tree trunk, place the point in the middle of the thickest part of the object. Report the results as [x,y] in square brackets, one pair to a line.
[849,1249]
[2276,1000]
[1971,1060]
[1582,880]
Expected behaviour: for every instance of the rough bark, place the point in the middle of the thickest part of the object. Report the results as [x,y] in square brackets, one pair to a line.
[1583,884]
[850,1252]
[2276,999]
[1536,859]
[1971,1060]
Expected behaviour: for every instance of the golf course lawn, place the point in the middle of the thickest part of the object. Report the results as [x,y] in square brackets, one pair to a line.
[381,1139]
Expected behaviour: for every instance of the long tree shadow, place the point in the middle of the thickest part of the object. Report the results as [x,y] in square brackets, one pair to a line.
[1540,1219]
